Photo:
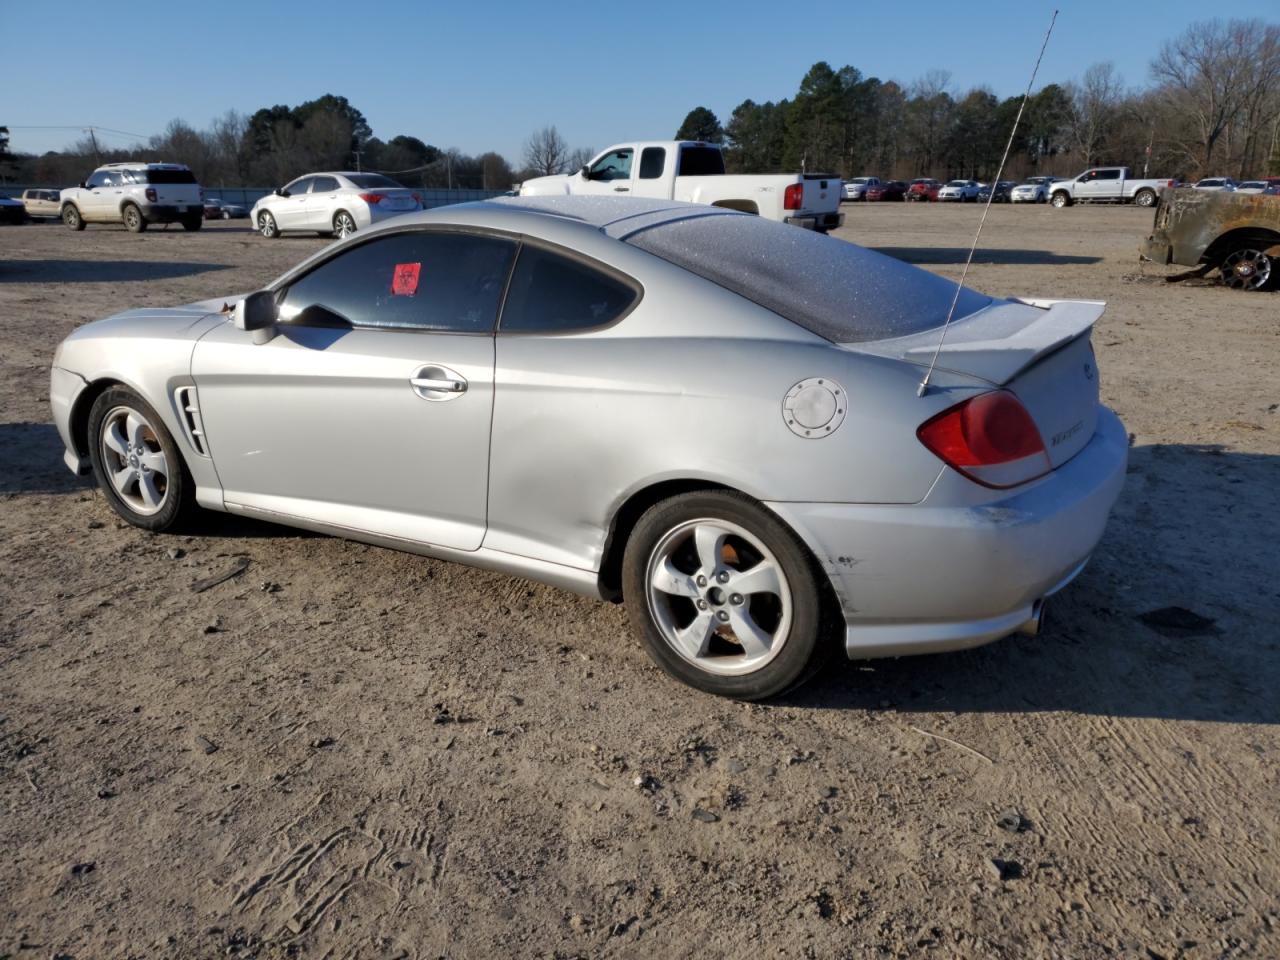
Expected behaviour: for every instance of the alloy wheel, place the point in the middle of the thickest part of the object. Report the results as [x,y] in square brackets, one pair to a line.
[719,597]
[134,460]
[344,226]
[1246,269]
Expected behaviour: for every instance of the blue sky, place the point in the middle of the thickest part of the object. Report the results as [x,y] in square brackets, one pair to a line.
[483,76]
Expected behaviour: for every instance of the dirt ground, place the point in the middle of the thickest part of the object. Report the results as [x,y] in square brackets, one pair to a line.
[350,752]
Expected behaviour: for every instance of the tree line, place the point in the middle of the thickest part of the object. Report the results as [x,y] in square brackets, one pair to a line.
[1211,106]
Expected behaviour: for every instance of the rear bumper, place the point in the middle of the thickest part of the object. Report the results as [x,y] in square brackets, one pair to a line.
[816,221]
[1157,251]
[166,213]
[928,577]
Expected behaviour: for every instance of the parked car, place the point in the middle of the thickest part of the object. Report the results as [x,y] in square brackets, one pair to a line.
[923,188]
[890,190]
[42,204]
[1252,186]
[513,384]
[856,189]
[960,191]
[1108,185]
[336,203]
[1032,190]
[12,211]
[215,209]
[1236,234]
[694,171]
[1215,183]
[137,195]
[1002,189]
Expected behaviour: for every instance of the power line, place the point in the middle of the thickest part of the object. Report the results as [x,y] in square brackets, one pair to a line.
[78,126]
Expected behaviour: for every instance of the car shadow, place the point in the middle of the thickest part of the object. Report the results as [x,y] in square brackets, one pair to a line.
[100,271]
[957,255]
[1193,533]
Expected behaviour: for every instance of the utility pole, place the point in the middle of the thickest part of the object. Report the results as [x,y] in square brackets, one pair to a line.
[97,154]
[1146,164]
[357,153]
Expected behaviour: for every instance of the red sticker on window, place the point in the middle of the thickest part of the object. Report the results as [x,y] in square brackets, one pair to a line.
[404,282]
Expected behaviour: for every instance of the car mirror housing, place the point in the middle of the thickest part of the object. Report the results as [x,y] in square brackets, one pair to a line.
[256,314]
[280,192]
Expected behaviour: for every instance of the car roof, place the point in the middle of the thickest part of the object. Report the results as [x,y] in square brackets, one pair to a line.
[138,164]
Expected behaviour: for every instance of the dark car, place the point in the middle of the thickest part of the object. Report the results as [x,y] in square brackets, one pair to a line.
[1002,188]
[215,209]
[923,188]
[890,190]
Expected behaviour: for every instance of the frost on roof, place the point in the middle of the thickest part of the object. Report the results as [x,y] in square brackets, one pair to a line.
[597,211]
[840,291]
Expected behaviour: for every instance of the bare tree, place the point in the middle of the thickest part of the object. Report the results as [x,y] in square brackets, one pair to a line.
[579,157]
[1223,79]
[546,152]
[1095,107]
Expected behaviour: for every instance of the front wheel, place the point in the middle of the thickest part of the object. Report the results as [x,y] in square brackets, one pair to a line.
[344,225]
[226,215]
[71,217]
[267,226]
[1247,268]
[136,462]
[1061,200]
[724,596]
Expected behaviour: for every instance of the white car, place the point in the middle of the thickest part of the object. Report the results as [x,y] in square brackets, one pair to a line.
[1032,190]
[47,204]
[1216,183]
[856,189]
[962,191]
[332,203]
[1252,186]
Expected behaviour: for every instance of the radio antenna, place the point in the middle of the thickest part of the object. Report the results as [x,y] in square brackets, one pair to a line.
[924,384]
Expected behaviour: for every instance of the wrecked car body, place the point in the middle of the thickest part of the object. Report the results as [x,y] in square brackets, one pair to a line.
[1237,234]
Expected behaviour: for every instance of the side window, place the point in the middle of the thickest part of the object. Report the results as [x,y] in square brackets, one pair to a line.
[1108,174]
[99,179]
[614,165]
[324,185]
[551,293]
[299,186]
[419,281]
[652,161]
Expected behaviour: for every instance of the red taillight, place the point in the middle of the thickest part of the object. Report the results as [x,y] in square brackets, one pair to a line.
[989,438]
[371,198]
[151,194]
[793,197]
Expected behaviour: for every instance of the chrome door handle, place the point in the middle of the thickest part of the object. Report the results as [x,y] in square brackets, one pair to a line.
[621,189]
[450,386]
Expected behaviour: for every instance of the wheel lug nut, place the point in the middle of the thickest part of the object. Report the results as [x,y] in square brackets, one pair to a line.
[702,581]
[736,598]
[722,576]
[702,604]
[722,615]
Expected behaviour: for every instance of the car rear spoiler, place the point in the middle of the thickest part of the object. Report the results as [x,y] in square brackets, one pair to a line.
[999,341]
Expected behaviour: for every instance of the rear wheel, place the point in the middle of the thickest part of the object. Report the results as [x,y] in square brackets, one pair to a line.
[724,596]
[267,226]
[71,217]
[193,223]
[134,221]
[1247,268]
[226,215]
[136,463]
[344,225]
[1145,198]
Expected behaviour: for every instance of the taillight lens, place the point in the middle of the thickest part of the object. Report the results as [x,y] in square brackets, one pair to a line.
[151,194]
[371,198]
[793,197]
[989,438]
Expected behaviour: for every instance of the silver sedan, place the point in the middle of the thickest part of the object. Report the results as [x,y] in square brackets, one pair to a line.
[716,419]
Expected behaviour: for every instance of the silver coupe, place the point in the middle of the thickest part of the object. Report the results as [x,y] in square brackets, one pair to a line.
[713,418]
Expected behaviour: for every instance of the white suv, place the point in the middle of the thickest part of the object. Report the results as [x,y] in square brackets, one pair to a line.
[332,203]
[135,194]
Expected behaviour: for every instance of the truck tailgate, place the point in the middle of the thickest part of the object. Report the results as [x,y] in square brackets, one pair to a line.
[821,193]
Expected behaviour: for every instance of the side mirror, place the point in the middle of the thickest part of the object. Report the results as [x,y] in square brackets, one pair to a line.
[84,185]
[585,172]
[280,192]
[256,314]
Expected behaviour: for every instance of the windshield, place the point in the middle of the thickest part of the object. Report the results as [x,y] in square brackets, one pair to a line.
[366,181]
[840,291]
[860,180]
[958,183]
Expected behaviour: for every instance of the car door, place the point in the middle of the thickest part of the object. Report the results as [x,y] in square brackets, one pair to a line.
[1107,185]
[322,201]
[609,175]
[95,199]
[649,180]
[291,211]
[370,409]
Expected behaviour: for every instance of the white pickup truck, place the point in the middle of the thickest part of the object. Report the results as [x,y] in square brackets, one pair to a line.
[694,171]
[1108,185]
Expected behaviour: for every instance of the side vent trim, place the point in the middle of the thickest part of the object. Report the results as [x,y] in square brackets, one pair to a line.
[188,403]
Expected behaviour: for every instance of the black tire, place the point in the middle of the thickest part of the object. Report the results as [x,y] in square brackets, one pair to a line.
[193,223]
[133,219]
[805,642]
[344,224]
[71,217]
[178,497]
[267,225]
[1248,268]
[1060,199]
[1145,198]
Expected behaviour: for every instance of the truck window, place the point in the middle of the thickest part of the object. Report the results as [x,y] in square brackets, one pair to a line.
[700,162]
[614,165]
[652,161]
[1107,175]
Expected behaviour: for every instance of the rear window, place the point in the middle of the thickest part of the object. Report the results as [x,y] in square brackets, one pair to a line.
[839,291]
[152,175]
[701,162]
[367,181]
[551,293]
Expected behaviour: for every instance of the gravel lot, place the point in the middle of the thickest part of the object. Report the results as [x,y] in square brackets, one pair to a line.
[349,752]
